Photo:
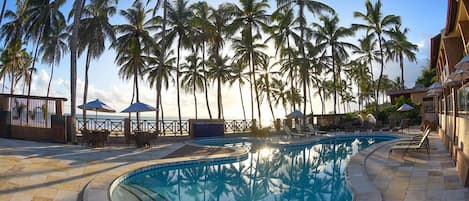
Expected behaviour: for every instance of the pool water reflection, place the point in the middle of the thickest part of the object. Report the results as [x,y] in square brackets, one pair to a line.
[313,172]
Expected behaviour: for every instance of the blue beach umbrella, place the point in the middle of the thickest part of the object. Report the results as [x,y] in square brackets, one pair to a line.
[96,106]
[138,107]
[295,114]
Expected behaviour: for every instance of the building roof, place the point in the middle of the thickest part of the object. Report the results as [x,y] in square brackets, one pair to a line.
[451,16]
[33,97]
[406,91]
[434,50]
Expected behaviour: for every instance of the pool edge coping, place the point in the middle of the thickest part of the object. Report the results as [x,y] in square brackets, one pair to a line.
[100,187]
[356,174]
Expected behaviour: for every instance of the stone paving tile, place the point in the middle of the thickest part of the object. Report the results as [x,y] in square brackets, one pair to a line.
[416,176]
[33,171]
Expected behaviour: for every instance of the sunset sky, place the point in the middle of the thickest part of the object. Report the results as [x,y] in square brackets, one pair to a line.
[424,18]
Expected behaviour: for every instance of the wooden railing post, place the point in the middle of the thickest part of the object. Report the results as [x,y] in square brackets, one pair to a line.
[127,130]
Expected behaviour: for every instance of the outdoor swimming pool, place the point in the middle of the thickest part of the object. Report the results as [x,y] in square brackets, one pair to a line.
[309,172]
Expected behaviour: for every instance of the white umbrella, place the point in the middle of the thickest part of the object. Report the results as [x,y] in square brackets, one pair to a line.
[295,114]
[463,64]
[139,107]
[96,106]
[405,107]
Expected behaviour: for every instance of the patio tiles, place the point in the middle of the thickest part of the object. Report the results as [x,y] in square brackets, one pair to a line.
[34,171]
[415,175]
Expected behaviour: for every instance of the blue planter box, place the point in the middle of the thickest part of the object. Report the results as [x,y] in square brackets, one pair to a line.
[200,128]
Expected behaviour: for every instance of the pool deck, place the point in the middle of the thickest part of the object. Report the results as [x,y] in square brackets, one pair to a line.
[45,171]
[413,176]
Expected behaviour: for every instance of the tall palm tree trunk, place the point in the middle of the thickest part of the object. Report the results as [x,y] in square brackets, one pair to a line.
[292,79]
[303,56]
[270,101]
[177,85]
[256,90]
[50,79]
[335,79]
[205,81]
[159,71]
[401,64]
[380,73]
[137,95]
[323,105]
[219,97]
[162,116]
[85,91]
[195,101]
[73,66]
[32,70]
[310,99]
[3,10]
[251,91]
[242,101]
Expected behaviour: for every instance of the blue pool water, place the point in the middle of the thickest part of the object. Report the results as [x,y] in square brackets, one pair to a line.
[310,172]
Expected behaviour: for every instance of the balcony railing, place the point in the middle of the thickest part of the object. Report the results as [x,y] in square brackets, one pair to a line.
[172,127]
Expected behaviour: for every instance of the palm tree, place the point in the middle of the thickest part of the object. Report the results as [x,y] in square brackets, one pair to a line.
[250,17]
[16,61]
[179,17]
[54,47]
[77,10]
[201,27]
[95,29]
[218,30]
[42,18]
[166,71]
[219,71]
[265,82]
[399,47]
[376,23]
[281,33]
[314,7]
[359,73]
[193,77]
[164,48]
[241,77]
[280,93]
[134,45]
[248,52]
[366,51]
[330,35]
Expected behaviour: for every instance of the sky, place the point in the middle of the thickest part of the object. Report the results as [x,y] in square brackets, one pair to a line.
[424,18]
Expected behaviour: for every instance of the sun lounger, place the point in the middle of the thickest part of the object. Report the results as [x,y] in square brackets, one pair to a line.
[291,133]
[312,129]
[413,144]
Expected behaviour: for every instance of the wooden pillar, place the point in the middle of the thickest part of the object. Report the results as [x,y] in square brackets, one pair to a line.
[59,107]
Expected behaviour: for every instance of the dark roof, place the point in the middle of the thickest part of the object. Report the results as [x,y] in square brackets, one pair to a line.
[451,16]
[434,50]
[406,91]
[32,97]
[327,115]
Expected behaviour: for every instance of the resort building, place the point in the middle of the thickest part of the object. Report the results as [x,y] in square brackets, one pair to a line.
[449,55]
[418,95]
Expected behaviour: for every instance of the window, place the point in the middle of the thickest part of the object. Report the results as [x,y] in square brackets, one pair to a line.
[463,100]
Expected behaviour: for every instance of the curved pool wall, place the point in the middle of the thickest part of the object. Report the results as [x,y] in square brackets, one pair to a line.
[305,177]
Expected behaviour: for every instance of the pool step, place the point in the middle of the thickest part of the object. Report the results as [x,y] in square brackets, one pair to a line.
[143,194]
